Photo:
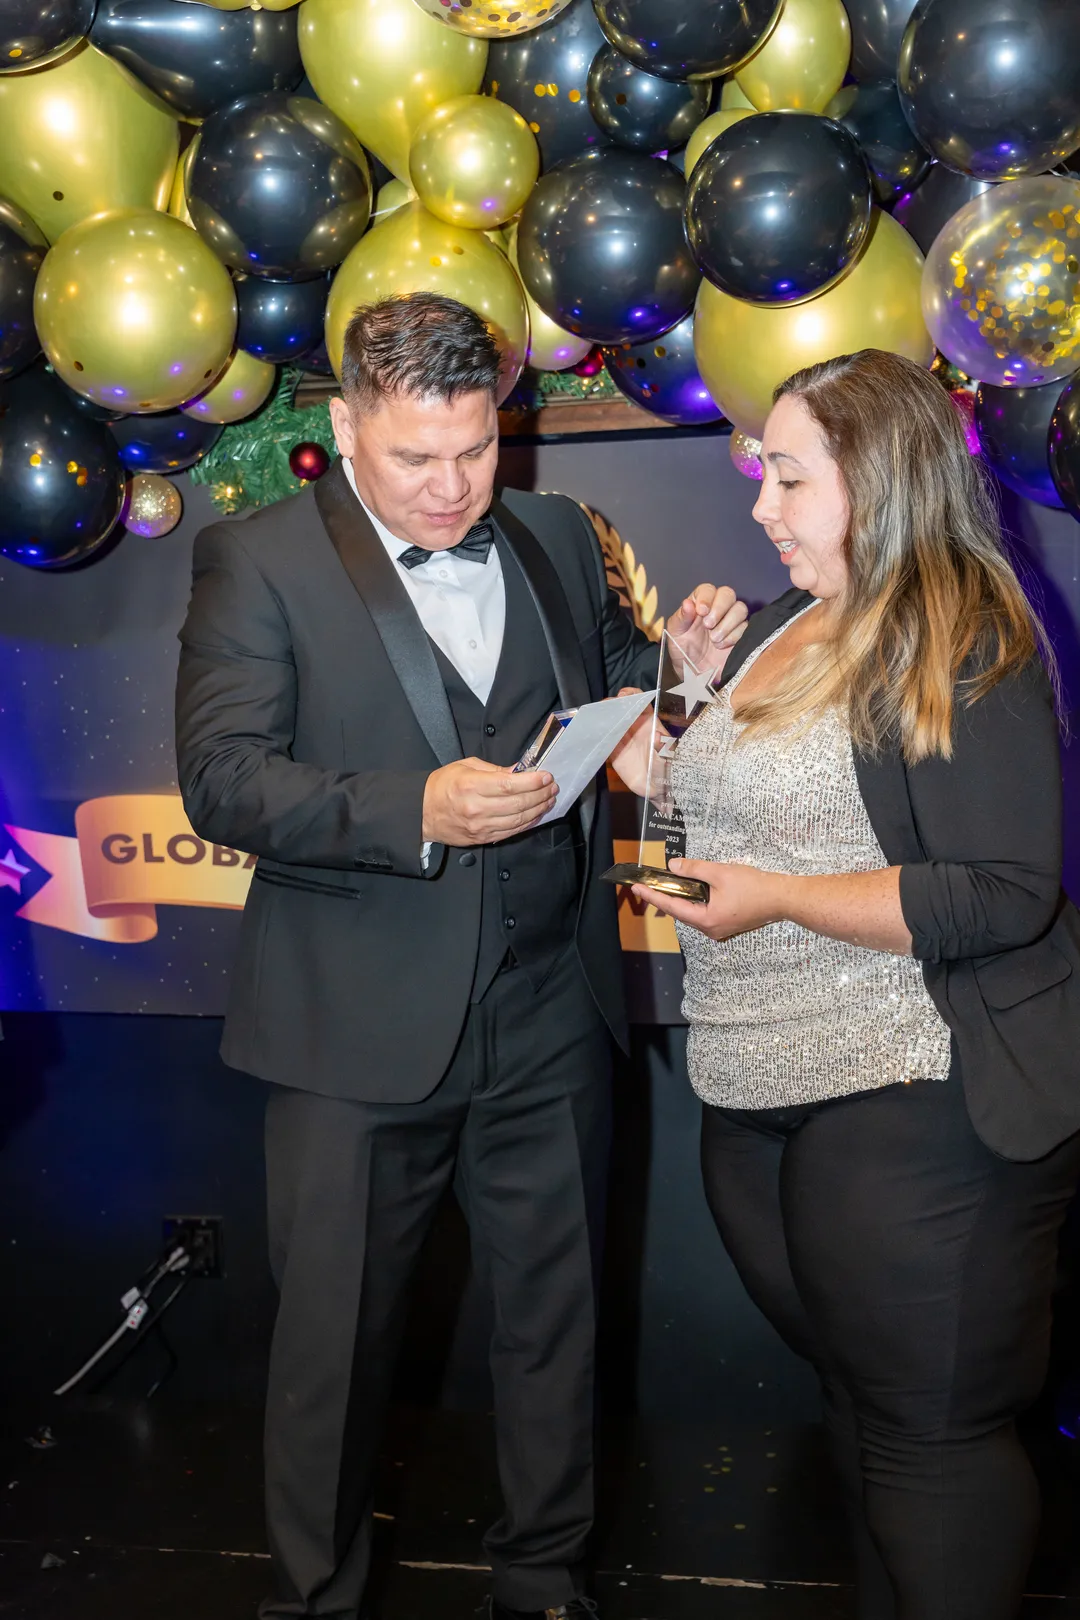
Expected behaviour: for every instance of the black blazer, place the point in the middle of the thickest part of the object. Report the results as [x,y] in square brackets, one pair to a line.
[978,841]
[309,714]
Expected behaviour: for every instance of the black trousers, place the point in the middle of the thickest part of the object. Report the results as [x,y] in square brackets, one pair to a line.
[523,1118]
[914,1268]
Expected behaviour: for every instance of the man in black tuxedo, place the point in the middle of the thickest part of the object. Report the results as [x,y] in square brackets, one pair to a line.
[428,976]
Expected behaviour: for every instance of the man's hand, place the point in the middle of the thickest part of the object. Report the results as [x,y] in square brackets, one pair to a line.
[706,626]
[474,802]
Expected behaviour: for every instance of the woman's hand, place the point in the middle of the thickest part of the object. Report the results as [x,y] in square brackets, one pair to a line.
[705,627]
[740,898]
[631,760]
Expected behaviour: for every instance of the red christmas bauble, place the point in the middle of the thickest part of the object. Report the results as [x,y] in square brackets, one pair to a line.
[591,366]
[308,461]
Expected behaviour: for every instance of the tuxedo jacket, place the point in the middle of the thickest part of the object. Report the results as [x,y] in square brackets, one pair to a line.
[978,841]
[310,713]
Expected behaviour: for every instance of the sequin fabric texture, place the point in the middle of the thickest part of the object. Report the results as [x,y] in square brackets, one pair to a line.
[783,1015]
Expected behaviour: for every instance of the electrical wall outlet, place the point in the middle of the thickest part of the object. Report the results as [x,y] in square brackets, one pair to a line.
[202,1235]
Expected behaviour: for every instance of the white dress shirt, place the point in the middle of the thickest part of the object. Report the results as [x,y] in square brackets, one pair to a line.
[461,602]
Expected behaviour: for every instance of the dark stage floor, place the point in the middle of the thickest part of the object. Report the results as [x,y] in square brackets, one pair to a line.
[151,1512]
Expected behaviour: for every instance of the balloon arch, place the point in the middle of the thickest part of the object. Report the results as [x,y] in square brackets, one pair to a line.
[697,196]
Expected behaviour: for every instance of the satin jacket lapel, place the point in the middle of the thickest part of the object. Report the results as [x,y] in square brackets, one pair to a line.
[393,615]
[560,632]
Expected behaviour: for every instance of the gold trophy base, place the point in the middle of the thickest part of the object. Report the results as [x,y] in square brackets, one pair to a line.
[655,877]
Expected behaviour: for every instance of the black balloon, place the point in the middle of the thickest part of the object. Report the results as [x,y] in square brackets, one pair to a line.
[877,27]
[992,87]
[1064,447]
[279,187]
[1013,425]
[318,361]
[557,54]
[778,206]
[280,320]
[925,210]
[197,58]
[32,32]
[602,249]
[684,39]
[662,376]
[164,442]
[22,248]
[898,161]
[61,482]
[641,110]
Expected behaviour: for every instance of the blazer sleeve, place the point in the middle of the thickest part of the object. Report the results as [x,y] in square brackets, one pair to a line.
[989,821]
[630,658]
[235,720]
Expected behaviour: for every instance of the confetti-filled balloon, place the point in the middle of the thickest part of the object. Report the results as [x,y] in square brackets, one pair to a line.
[308,461]
[33,32]
[153,506]
[544,75]
[1001,292]
[83,137]
[22,250]
[745,350]
[493,19]
[686,39]
[1013,425]
[134,310]
[992,87]
[242,387]
[61,483]
[382,66]
[602,248]
[662,377]
[473,162]
[641,110]
[778,207]
[708,131]
[168,443]
[932,204]
[279,187]
[804,60]
[745,453]
[551,347]
[412,251]
[1064,444]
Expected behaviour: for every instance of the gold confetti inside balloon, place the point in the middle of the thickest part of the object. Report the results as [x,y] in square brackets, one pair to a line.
[708,130]
[382,66]
[493,19]
[412,251]
[1001,289]
[81,136]
[551,347]
[242,387]
[134,310]
[745,453]
[745,350]
[473,162]
[802,62]
[153,506]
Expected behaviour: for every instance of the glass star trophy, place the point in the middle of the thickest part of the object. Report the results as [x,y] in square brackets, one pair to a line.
[682,693]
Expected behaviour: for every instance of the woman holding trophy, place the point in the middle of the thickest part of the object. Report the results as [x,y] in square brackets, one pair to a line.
[883,983]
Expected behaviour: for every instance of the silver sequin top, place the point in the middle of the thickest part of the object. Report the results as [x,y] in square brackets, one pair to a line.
[783,1015]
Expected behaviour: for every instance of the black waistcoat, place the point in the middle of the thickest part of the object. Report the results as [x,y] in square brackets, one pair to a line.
[531,883]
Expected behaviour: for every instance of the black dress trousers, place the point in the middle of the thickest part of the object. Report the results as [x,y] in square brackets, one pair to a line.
[523,1115]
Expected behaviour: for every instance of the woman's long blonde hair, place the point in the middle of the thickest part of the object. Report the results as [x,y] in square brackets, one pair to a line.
[933,606]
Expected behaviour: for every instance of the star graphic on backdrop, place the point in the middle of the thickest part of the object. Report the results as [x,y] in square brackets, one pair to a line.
[12,873]
[695,689]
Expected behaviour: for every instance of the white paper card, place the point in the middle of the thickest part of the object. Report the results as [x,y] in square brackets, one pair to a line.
[581,748]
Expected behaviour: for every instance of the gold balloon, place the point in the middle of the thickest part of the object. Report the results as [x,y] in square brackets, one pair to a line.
[178,207]
[493,19]
[473,162]
[382,66]
[82,136]
[274,5]
[412,251]
[242,387]
[746,350]
[394,194]
[551,347]
[134,310]
[709,129]
[732,98]
[153,506]
[802,62]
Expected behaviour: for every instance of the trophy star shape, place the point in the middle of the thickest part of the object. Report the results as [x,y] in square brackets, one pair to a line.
[696,688]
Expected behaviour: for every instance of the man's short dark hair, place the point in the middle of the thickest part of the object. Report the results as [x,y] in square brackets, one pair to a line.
[419,343]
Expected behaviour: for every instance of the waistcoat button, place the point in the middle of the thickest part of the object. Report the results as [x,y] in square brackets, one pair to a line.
[468,859]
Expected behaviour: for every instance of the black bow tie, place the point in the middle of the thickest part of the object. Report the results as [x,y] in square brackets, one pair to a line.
[474,548]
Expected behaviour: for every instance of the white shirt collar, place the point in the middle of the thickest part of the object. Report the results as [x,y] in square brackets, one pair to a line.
[393,545]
